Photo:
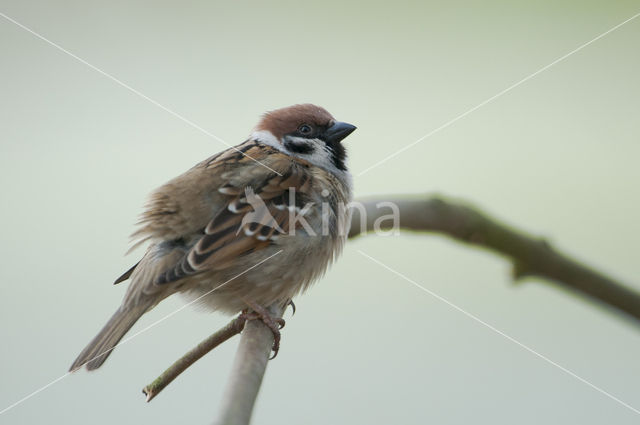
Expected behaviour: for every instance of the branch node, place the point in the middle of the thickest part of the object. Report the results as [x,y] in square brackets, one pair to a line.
[520,271]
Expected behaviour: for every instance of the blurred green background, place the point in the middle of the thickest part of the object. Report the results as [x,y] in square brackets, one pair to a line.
[557,156]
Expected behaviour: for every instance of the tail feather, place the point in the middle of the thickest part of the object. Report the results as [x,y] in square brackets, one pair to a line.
[97,351]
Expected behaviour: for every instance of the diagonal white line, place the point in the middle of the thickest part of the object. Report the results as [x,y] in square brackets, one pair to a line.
[499,332]
[27,397]
[494,97]
[132,90]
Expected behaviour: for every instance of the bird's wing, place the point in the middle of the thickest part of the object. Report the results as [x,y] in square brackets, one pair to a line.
[225,207]
[254,215]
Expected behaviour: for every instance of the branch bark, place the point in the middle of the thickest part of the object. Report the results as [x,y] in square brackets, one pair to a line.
[531,256]
[232,328]
[247,371]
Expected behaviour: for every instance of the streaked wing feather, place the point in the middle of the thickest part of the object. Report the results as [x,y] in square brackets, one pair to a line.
[256,211]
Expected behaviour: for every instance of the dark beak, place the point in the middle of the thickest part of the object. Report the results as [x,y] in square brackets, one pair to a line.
[338,131]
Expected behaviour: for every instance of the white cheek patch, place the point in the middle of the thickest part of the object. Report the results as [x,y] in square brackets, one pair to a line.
[317,152]
[267,138]
[321,155]
[300,145]
[301,140]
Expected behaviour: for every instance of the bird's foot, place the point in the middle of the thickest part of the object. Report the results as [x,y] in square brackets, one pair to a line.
[258,312]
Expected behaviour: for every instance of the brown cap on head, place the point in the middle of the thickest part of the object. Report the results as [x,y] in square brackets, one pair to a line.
[286,120]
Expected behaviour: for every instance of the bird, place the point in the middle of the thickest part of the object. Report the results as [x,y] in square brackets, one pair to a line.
[251,226]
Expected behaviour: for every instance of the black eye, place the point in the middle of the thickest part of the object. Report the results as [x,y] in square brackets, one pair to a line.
[305,129]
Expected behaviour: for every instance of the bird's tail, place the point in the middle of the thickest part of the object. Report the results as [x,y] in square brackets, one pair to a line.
[97,351]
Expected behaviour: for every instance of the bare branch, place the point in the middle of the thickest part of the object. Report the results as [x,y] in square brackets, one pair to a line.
[531,256]
[232,328]
[247,371]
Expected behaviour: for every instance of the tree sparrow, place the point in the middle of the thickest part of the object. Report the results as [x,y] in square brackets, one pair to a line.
[279,198]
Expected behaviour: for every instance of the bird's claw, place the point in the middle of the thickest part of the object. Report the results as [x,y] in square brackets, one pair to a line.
[274,324]
[293,307]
